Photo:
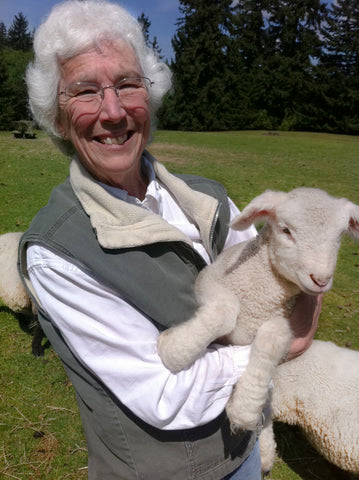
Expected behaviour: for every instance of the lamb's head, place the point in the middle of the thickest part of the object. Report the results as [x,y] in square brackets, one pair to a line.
[304,229]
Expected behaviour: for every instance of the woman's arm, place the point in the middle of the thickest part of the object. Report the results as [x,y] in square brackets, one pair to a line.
[118,344]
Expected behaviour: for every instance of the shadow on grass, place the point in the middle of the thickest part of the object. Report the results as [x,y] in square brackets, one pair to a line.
[303,459]
[30,325]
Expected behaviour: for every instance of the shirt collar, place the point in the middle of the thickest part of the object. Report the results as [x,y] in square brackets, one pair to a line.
[152,200]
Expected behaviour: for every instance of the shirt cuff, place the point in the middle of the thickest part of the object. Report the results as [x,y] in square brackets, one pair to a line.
[240,355]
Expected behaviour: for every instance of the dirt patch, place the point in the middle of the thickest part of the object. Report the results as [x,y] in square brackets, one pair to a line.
[46,449]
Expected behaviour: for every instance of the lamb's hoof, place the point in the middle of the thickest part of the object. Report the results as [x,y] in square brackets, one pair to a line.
[175,363]
[236,429]
[267,475]
[172,365]
[241,422]
[239,427]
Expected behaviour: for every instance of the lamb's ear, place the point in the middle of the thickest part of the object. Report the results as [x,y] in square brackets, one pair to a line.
[260,208]
[353,218]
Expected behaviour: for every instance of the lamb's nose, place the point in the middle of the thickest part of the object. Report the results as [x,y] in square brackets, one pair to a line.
[321,282]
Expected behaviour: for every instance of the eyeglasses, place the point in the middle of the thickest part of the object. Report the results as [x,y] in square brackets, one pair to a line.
[131,91]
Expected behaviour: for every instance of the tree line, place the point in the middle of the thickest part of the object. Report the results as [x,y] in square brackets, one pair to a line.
[244,64]
[265,64]
[15,54]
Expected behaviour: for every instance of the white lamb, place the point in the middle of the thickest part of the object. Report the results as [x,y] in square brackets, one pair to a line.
[319,392]
[247,294]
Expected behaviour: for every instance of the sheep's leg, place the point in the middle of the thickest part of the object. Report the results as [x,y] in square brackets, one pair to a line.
[181,345]
[244,408]
[36,344]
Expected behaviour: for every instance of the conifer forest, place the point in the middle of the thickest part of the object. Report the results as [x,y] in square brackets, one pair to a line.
[237,65]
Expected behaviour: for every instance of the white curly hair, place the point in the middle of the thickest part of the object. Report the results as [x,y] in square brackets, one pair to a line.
[74,27]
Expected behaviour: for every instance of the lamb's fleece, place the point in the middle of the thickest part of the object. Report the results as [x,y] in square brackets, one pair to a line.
[12,291]
[319,391]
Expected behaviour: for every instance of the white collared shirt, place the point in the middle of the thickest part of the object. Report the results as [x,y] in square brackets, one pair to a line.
[118,344]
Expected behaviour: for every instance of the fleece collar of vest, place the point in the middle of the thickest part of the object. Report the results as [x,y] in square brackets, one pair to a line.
[119,224]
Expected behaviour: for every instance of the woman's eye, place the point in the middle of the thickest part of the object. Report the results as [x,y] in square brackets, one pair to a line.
[130,83]
[85,92]
[126,86]
[88,91]
[83,89]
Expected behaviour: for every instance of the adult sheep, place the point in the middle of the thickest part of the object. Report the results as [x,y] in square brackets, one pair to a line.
[12,290]
[246,296]
[319,392]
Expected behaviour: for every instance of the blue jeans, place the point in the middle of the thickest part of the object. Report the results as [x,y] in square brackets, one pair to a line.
[250,468]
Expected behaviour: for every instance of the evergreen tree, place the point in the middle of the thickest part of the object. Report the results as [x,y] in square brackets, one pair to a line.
[156,48]
[145,23]
[153,44]
[342,37]
[3,35]
[200,67]
[19,37]
[250,32]
[15,54]
[338,71]
[3,93]
[13,94]
[292,46]
[250,41]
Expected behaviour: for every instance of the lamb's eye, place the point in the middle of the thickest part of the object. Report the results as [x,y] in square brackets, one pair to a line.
[286,230]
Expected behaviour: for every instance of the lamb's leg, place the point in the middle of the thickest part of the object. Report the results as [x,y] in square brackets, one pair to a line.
[244,408]
[181,345]
[267,441]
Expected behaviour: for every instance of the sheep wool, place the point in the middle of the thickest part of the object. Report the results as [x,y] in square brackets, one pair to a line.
[12,291]
[319,392]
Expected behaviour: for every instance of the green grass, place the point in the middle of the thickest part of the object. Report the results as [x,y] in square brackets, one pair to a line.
[40,431]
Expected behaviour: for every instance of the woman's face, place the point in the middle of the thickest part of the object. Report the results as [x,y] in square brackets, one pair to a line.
[110,138]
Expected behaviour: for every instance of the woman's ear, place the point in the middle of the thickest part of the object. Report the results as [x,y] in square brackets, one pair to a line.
[60,128]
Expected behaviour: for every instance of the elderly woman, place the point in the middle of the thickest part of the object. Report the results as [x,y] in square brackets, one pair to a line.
[112,259]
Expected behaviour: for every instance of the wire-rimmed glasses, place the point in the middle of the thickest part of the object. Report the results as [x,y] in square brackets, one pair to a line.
[131,91]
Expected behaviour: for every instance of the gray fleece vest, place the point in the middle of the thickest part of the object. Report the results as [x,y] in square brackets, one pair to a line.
[159,280]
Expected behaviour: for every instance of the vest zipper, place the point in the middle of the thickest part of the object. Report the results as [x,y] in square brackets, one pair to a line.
[211,233]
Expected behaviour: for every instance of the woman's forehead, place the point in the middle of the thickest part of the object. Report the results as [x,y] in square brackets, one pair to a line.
[110,59]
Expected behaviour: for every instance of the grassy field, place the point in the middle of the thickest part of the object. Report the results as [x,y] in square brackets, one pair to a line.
[40,432]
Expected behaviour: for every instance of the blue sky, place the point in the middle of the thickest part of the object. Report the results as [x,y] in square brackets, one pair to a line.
[163,15]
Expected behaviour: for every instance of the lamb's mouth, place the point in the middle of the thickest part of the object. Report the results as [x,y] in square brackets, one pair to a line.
[120,140]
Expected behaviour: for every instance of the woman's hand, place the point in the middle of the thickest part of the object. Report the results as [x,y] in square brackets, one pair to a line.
[304,323]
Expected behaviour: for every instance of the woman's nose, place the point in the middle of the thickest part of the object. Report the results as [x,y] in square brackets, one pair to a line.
[112,109]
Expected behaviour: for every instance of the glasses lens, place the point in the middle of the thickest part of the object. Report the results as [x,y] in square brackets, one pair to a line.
[84,91]
[132,91]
